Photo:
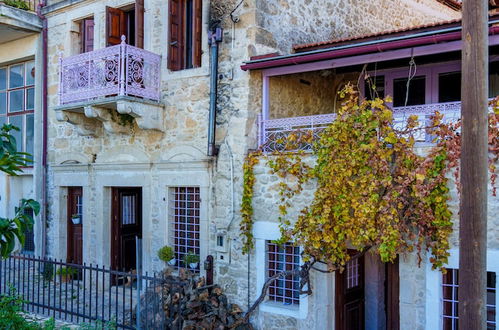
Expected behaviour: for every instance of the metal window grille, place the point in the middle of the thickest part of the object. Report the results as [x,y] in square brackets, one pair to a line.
[185,205]
[352,273]
[283,258]
[450,286]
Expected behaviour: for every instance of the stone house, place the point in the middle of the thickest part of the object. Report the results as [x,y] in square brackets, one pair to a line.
[138,145]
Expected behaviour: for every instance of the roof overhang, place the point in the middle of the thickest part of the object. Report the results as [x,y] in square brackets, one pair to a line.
[368,51]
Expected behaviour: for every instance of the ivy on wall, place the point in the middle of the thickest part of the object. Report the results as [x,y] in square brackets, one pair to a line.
[373,190]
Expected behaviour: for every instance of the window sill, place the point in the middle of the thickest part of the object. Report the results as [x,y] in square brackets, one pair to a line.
[275,307]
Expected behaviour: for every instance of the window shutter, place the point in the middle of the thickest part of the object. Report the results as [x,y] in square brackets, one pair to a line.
[87,30]
[175,38]
[115,25]
[198,32]
[139,23]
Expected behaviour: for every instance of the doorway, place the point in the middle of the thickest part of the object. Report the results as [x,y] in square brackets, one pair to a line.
[75,226]
[126,226]
[350,296]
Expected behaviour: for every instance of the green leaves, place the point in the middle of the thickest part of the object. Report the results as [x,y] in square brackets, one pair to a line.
[11,161]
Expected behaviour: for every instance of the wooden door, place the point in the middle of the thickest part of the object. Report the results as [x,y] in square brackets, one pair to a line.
[75,225]
[126,226]
[116,26]
[392,294]
[350,296]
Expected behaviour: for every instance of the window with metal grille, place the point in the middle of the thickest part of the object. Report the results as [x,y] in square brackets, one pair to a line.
[17,102]
[281,258]
[185,205]
[29,236]
[352,273]
[450,286]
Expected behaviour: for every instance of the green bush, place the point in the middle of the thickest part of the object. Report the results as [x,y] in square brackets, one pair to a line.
[11,317]
[17,4]
[48,272]
[191,258]
[67,271]
[166,253]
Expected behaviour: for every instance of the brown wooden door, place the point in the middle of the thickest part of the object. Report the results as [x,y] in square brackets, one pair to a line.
[392,294]
[126,226]
[116,26]
[350,296]
[75,225]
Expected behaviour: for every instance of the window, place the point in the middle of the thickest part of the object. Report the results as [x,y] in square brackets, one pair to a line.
[17,102]
[128,22]
[29,236]
[416,94]
[374,87]
[449,87]
[450,288]
[185,205]
[283,258]
[185,24]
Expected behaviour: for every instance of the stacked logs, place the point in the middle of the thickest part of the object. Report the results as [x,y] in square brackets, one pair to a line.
[189,304]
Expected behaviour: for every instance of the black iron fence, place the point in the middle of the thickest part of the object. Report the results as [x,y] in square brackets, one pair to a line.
[86,293]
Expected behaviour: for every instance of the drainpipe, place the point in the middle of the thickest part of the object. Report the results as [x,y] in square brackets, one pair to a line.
[214,37]
[43,215]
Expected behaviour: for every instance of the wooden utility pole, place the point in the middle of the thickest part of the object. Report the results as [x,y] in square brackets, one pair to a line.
[473,206]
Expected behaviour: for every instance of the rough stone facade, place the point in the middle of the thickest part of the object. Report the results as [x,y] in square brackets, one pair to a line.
[157,160]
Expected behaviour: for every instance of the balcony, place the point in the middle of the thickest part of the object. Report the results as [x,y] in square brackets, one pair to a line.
[120,78]
[273,132]
[18,19]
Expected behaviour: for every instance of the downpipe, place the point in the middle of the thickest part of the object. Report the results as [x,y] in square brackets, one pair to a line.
[214,38]
[43,216]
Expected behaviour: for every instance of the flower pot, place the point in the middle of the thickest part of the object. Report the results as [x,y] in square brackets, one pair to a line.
[172,262]
[76,220]
[65,278]
[193,265]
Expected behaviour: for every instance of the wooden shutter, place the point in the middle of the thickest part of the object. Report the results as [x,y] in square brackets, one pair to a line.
[198,33]
[175,38]
[115,25]
[139,23]
[87,35]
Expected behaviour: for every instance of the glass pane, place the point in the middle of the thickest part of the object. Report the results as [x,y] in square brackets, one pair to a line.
[416,95]
[449,87]
[3,79]
[374,87]
[3,120]
[30,73]
[18,122]
[16,76]
[3,103]
[16,100]
[494,79]
[30,99]
[30,133]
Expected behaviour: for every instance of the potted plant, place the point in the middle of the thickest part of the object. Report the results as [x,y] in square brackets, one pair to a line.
[76,219]
[66,273]
[192,260]
[167,255]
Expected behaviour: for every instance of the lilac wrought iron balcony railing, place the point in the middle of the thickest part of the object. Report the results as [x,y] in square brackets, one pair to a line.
[273,132]
[116,70]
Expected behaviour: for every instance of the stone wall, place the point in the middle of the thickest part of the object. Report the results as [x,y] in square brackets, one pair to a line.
[288,22]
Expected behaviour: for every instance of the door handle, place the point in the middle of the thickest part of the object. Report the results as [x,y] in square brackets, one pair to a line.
[173,43]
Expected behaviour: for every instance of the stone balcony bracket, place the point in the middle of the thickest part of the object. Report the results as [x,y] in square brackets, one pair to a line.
[87,115]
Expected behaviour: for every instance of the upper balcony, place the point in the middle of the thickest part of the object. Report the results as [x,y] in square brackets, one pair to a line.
[120,78]
[18,19]
[273,132]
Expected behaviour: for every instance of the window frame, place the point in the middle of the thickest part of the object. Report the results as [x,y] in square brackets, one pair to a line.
[280,284]
[25,112]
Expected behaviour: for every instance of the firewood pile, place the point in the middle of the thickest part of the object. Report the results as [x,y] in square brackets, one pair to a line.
[185,302]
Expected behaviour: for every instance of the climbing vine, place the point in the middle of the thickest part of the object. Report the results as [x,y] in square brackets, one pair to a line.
[373,190]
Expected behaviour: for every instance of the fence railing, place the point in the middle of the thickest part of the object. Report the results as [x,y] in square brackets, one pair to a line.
[116,70]
[85,293]
[273,132]
[29,5]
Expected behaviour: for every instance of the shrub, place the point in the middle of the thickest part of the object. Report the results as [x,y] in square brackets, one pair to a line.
[191,258]
[67,271]
[166,253]
[17,4]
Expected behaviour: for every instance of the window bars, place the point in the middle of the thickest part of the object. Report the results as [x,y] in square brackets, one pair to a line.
[185,205]
[281,258]
[353,273]
[450,286]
